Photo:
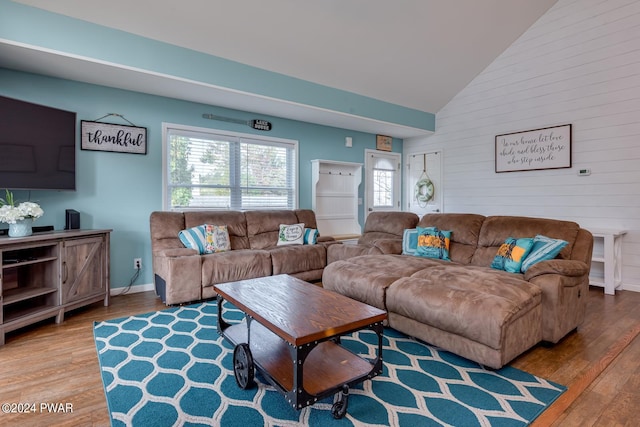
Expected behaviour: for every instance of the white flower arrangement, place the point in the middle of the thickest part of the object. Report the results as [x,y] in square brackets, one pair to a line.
[10,213]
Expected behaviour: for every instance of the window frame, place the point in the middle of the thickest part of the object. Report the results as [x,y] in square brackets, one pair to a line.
[242,137]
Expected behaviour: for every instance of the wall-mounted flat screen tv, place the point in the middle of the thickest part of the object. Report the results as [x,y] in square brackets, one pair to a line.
[37,147]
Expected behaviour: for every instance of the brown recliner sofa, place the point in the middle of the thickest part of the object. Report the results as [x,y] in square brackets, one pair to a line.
[183,275]
[465,306]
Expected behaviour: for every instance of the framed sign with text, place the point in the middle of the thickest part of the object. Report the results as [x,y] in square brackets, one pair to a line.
[545,148]
[111,137]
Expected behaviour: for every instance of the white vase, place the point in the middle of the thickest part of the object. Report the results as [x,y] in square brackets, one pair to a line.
[21,228]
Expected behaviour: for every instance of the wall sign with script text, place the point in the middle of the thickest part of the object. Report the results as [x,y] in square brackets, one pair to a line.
[545,148]
[110,137]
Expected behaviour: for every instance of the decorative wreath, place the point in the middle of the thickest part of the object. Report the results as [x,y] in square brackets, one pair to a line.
[424,191]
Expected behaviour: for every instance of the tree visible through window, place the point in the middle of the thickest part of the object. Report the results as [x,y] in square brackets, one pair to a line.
[229,171]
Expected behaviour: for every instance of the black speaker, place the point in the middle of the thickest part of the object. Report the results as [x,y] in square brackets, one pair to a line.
[72,220]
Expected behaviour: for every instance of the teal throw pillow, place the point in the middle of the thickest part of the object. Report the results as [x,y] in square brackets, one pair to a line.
[511,254]
[433,243]
[409,241]
[194,238]
[544,248]
[310,236]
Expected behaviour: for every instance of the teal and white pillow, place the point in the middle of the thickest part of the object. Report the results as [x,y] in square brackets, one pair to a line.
[291,234]
[206,239]
[544,248]
[310,236]
[511,254]
[433,243]
[409,241]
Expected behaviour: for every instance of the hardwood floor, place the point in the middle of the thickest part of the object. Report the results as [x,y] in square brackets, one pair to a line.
[52,364]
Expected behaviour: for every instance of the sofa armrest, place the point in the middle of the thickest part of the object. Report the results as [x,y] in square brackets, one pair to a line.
[389,246]
[181,270]
[564,285]
[174,252]
[563,267]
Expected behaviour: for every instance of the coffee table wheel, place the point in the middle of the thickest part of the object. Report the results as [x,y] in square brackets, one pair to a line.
[340,403]
[243,366]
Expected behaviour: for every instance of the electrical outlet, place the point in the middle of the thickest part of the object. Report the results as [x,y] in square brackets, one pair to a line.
[137,263]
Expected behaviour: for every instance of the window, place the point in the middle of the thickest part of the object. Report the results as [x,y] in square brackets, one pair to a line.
[383,175]
[382,181]
[382,188]
[209,169]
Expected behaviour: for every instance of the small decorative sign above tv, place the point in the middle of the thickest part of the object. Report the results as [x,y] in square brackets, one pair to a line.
[260,124]
[111,137]
[546,148]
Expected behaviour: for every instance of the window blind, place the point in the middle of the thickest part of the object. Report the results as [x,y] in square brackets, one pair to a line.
[211,170]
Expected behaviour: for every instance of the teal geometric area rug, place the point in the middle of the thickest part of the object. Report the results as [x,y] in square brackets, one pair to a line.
[171,368]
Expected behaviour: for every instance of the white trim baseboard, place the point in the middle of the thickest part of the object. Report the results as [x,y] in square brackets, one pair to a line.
[144,287]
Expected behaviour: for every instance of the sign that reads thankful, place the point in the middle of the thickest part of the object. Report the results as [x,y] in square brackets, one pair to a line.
[546,148]
[110,137]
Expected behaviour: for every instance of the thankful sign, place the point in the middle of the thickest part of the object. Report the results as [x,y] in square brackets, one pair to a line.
[110,137]
[546,148]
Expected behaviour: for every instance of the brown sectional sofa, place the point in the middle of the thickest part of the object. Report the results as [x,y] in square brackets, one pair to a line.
[183,275]
[463,305]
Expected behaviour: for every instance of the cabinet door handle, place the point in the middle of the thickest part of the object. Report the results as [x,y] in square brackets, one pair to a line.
[64,272]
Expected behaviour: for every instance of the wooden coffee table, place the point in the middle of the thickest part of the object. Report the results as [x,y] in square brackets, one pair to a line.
[291,333]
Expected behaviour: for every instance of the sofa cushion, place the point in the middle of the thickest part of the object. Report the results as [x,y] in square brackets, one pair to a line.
[342,251]
[295,259]
[511,254]
[544,248]
[291,234]
[235,265]
[306,216]
[465,231]
[496,229]
[234,220]
[366,278]
[263,227]
[387,225]
[474,302]
[164,228]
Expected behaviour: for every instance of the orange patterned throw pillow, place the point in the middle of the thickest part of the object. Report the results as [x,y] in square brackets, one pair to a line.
[433,243]
[511,254]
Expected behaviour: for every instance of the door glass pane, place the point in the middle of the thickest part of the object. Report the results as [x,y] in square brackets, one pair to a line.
[382,188]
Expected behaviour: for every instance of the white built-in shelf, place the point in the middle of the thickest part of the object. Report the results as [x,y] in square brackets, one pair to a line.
[334,196]
[606,262]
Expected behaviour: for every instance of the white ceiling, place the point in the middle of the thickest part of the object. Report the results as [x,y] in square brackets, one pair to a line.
[414,53]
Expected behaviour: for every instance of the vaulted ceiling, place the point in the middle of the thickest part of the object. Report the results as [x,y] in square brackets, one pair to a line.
[414,53]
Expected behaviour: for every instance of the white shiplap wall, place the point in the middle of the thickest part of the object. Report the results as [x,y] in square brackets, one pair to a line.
[579,64]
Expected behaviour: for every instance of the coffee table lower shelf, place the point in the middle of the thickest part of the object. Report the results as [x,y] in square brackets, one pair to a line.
[307,373]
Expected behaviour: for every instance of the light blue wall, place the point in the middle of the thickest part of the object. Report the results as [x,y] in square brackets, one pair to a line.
[118,191]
